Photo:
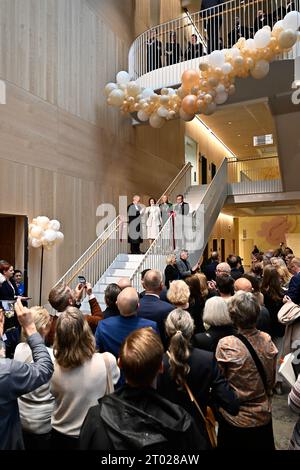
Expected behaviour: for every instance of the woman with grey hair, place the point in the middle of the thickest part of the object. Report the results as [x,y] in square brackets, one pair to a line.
[248,361]
[197,368]
[171,270]
[218,322]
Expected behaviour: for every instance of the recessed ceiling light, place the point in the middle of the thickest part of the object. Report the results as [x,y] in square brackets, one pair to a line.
[229,122]
[246,145]
[239,135]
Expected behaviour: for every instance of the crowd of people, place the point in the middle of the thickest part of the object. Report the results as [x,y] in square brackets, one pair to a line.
[143,373]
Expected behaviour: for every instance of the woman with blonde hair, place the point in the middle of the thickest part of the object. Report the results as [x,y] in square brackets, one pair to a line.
[285,276]
[79,379]
[203,285]
[171,270]
[36,407]
[185,364]
[179,294]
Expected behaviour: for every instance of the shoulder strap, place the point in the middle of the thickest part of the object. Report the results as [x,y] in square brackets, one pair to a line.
[109,382]
[193,399]
[255,358]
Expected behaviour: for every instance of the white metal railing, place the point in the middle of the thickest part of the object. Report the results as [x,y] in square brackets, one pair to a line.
[98,257]
[255,187]
[253,169]
[179,184]
[155,257]
[159,56]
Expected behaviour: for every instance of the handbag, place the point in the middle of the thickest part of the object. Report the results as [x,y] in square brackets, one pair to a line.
[109,383]
[209,419]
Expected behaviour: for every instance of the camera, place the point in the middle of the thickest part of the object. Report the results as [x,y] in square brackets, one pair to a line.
[82,280]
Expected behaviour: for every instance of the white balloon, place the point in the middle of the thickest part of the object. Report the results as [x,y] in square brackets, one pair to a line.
[123,77]
[278,25]
[109,88]
[42,221]
[250,44]
[35,243]
[117,97]
[292,20]
[147,92]
[142,116]
[226,68]
[162,112]
[54,225]
[262,38]
[220,88]
[261,69]
[216,59]
[133,89]
[287,39]
[221,97]
[50,235]
[185,116]
[235,52]
[156,121]
[171,91]
[60,237]
[36,231]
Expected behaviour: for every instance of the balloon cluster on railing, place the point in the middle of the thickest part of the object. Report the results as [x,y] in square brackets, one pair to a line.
[44,232]
[201,91]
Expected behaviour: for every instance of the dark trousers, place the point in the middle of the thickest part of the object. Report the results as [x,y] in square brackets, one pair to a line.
[135,248]
[37,441]
[257,438]
[61,441]
[213,35]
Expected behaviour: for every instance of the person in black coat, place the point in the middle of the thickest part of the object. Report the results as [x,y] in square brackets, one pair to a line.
[194,49]
[171,271]
[8,291]
[216,317]
[173,50]
[154,51]
[134,212]
[110,296]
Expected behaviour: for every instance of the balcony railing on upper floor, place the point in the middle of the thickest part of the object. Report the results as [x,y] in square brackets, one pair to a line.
[159,56]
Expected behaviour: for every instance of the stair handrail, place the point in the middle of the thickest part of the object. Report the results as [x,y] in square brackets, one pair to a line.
[108,234]
[163,243]
[174,183]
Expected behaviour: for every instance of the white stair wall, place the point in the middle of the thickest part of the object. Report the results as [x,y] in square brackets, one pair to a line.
[123,266]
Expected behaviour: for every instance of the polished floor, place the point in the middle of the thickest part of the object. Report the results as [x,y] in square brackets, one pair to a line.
[283,420]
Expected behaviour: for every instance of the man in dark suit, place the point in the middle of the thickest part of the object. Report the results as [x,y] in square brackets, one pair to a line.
[151,307]
[212,23]
[210,269]
[154,51]
[294,286]
[134,225]
[184,266]
[181,224]
[181,207]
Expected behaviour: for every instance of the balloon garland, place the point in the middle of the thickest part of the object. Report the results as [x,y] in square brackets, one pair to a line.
[44,232]
[201,91]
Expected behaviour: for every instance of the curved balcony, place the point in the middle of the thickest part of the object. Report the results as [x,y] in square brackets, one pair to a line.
[158,57]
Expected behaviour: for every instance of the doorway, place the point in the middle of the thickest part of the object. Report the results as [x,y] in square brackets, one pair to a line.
[14,243]
[203,166]
[213,170]
[191,157]
[215,244]
[222,249]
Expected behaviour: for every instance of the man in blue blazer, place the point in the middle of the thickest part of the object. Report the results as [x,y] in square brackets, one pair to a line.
[151,307]
[294,286]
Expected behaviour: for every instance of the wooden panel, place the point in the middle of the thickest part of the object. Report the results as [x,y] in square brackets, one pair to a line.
[169,9]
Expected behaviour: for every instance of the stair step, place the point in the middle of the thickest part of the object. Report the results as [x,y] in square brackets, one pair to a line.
[124,264]
[111,280]
[125,257]
[121,272]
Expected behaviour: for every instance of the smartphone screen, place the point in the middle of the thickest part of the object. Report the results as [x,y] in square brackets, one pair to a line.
[81,280]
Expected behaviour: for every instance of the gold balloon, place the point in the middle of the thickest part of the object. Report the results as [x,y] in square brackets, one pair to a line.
[250,63]
[190,78]
[203,66]
[189,104]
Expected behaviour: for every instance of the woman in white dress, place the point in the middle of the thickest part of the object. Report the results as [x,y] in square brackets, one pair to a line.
[153,220]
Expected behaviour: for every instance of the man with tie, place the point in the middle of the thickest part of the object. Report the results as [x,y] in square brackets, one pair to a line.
[134,211]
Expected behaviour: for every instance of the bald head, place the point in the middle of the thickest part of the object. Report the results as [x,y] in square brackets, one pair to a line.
[243,284]
[124,282]
[127,301]
[153,281]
